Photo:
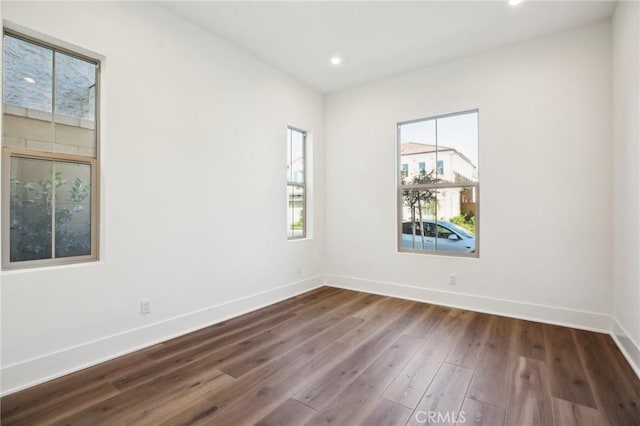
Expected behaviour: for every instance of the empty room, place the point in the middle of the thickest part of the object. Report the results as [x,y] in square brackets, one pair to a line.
[306,213]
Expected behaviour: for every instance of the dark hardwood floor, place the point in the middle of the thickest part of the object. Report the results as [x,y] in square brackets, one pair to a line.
[339,357]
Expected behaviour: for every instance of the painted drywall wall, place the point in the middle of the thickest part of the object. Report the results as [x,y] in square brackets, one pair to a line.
[545,181]
[193,192]
[626,177]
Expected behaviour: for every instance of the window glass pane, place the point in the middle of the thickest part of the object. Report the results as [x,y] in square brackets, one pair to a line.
[439,220]
[75,87]
[417,150]
[418,219]
[295,211]
[297,156]
[73,209]
[456,212]
[27,74]
[458,148]
[30,209]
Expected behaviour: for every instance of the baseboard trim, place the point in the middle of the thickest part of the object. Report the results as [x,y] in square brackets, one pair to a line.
[627,345]
[34,371]
[584,320]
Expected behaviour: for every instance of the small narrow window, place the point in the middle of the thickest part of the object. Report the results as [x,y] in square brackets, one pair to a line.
[438,201]
[296,184]
[404,172]
[50,146]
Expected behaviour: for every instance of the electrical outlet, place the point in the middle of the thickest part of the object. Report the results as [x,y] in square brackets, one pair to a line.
[452,279]
[145,306]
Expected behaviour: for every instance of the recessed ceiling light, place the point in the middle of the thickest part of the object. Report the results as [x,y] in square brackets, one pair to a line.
[336,60]
[29,80]
[514,2]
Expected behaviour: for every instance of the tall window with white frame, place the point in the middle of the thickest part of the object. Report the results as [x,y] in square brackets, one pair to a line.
[50,152]
[438,185]
[296,184]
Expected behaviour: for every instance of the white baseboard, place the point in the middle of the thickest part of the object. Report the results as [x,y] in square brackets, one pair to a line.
[591,321]
[627,345]
[37,370]
[43,368]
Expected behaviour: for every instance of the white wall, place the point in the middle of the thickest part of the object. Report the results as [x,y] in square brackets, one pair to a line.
[545,181]
[626,178]
[178,105]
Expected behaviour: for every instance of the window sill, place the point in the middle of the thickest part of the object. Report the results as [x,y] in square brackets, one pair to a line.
[439,254]
[15,270]
[293,240]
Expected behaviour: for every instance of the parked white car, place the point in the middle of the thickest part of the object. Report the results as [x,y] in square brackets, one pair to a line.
[446,237]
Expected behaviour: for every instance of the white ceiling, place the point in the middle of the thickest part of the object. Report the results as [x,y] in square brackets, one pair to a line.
[378,39]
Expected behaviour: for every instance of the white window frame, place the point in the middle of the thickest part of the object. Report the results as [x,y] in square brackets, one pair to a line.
[435,186]
[302,185]
[94,162]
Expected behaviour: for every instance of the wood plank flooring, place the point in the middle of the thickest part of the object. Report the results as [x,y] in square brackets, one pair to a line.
[339,357]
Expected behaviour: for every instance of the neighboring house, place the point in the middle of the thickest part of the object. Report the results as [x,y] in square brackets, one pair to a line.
[448,166]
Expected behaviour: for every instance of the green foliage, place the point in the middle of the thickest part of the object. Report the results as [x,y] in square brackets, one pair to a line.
[466,221]
[79,191]
[423,197]
[299,224]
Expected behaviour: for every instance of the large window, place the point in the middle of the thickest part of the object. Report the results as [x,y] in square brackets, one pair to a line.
[50,150]
[296,184]
[438,186]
